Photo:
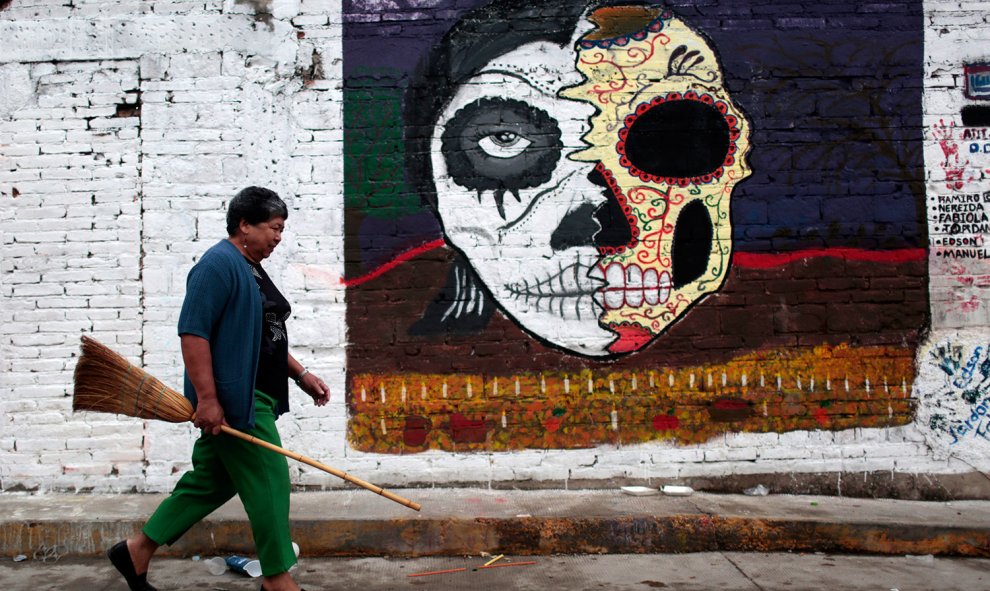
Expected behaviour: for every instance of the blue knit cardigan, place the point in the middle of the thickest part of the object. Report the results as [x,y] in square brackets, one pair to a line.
[223,306]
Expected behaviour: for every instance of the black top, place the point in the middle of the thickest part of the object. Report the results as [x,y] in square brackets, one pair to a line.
[273,360]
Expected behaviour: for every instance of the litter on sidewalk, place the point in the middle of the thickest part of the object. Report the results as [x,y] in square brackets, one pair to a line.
[640,491]
[494,560]
[488,565]
[757,491]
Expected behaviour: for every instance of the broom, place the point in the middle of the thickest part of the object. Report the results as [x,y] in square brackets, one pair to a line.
[106,382]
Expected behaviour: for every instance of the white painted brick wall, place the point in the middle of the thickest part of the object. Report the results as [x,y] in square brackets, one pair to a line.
[111,212]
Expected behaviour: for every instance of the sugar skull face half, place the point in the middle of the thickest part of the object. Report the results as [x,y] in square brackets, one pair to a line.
[589,190]
[672,145]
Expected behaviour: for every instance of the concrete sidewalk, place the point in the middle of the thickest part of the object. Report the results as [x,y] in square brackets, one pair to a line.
[470,521]
[698,571]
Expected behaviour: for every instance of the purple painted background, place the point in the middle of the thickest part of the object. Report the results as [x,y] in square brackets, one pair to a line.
[833,91]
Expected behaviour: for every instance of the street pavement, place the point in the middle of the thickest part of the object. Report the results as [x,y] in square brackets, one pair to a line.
[723,571]
[467,522]
[599,540]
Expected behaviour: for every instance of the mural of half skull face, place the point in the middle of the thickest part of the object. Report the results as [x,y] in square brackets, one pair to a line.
[515,204]
[589,189]
[672,145]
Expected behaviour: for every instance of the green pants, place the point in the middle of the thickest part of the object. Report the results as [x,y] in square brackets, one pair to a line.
[224,466]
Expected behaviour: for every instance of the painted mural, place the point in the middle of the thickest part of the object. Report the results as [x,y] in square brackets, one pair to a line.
[588,223]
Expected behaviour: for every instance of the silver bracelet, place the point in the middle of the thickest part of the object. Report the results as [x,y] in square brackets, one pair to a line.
[300,376]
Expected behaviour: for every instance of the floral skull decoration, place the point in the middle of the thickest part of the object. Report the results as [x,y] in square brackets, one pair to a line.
[589,187]
[672,145]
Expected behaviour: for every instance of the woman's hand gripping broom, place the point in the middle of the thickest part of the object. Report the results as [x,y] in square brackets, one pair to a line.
[106,382]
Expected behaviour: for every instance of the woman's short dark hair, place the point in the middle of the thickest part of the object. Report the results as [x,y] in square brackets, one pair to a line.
[254,205]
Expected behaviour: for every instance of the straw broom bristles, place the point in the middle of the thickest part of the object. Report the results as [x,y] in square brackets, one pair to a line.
[106,382]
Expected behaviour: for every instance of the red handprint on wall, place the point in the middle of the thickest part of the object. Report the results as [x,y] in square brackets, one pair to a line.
[954,170]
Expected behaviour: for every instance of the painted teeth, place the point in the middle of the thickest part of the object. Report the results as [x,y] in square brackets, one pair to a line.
[634,277]
[614,281]
[651,286]
[631,286]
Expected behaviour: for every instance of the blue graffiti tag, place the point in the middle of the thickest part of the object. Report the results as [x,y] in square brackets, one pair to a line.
[967,372]
[977,423]
[967,384]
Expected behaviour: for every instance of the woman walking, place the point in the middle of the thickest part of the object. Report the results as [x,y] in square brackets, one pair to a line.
[237,366]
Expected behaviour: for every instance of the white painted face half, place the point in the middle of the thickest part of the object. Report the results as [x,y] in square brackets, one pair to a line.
[512,201]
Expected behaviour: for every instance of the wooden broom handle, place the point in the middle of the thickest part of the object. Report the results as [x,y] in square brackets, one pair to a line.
[338,473]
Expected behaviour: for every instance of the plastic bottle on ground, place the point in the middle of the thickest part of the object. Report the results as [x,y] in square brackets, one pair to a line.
[757,491]
[216,565]
[244,565]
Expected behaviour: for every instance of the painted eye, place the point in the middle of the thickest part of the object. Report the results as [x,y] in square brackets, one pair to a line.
[678,138]
[503,144]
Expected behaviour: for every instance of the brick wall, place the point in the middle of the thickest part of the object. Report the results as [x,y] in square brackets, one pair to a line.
[125,127]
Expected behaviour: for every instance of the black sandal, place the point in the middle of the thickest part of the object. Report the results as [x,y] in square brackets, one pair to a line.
[120,558]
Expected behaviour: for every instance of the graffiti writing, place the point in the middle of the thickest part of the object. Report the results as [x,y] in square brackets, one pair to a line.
[967,372]
[961,221]
[976,423]
[963,403]
[978,133]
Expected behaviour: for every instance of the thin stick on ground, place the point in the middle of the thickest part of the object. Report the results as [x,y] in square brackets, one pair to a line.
[437,572]
[505,564]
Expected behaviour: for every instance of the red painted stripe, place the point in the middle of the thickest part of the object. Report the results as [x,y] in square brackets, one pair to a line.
[403,257]
[763,260]
[748,260]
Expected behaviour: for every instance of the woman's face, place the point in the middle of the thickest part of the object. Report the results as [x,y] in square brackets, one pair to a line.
[588,187]
[261,239]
